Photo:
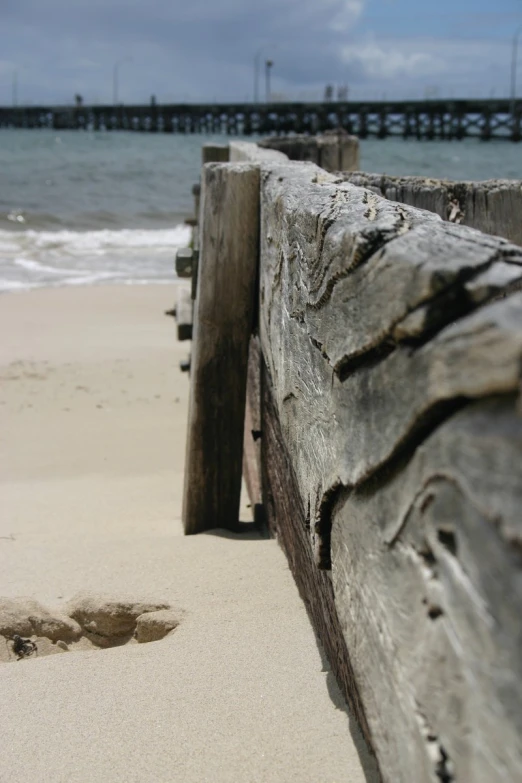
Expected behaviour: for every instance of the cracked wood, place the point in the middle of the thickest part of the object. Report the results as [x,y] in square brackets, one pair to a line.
[426,574]
[223,319]
[492,206]
[393,341]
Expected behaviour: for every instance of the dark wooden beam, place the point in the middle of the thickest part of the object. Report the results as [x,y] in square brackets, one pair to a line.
[289,522]
[223,320]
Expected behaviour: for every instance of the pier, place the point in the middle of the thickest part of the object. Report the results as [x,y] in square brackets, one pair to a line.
[429,119]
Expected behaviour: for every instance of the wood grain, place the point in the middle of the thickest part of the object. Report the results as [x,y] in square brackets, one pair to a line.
[288,521]
[386,380]
[426,573]
[334,150]
[393,344]
[493,206]
[215,153]
[223,319]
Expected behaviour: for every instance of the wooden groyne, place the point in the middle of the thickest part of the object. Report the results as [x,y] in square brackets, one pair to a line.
[383,440]
[430,119]
[493,206]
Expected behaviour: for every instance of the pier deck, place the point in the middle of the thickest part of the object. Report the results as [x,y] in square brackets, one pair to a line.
[433,119]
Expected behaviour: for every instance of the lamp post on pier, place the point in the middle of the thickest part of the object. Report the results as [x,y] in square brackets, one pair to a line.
[15,88]
[514,64]
[115,78]
[257,63]
[268,66]
[257,57]
[514,68]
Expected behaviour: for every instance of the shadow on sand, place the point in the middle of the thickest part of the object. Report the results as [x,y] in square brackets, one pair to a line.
[242,530]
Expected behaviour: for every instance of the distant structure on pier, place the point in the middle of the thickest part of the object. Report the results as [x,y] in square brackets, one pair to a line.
[428,119]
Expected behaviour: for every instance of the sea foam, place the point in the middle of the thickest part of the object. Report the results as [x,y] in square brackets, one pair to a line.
[32,259]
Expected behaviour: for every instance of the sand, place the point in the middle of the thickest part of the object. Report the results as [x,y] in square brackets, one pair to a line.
[93,414]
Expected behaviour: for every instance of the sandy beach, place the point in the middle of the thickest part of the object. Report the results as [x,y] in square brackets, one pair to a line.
[93,412]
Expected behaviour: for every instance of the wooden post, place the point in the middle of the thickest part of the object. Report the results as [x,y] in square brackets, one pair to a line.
[223,318]
[214,153]
[252,441]
[196,192]
[184,313]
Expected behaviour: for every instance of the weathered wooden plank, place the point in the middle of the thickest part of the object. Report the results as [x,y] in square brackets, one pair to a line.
[252,439]
[248,151]
[356,416]
[184,313]
[378,323]
[340,431]
[223,318]
[493,206]
[361,259]
[427,581]
[287,520]
[333,150]
[339,151]
[215,153]
[196,192]
[184,261]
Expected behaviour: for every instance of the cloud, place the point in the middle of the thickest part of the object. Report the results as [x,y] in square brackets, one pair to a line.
[197,48]
[85,62]
[205,49]
[459,67]
[346,15]
[7,68]
[389,60]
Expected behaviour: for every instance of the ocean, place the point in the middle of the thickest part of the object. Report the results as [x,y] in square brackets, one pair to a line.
[85,208]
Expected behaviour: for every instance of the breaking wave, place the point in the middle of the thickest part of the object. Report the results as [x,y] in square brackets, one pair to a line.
[31,258]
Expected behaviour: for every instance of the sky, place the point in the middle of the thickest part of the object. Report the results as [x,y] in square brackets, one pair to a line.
[205,50]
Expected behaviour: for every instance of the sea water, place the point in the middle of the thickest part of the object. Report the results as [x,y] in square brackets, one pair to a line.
[82,208]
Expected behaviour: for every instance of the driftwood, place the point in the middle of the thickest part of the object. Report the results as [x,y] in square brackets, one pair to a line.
[393,345]
[223,318]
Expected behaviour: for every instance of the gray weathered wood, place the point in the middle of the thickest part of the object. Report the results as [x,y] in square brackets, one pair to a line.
[184,313]
[333,150]
[215,153]
[356,272]
[426,574]
[393,344]
[493,206]
[184,262]
[286,519]
[196,192]
[252,439]
[337,279]
[223,318]
[378,323]
[248,151]
[338,151]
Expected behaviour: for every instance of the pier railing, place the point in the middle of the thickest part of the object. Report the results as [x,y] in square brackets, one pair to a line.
[377,349]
